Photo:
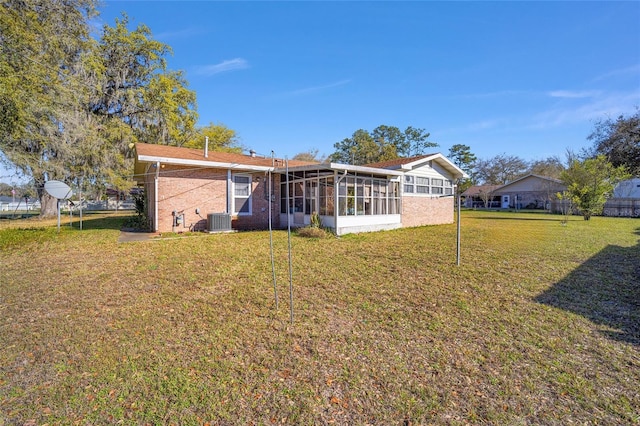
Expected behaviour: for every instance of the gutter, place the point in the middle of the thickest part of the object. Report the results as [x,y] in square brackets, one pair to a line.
[155,189]
[203,163]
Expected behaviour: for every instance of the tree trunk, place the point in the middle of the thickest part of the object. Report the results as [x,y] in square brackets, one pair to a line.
[48,206]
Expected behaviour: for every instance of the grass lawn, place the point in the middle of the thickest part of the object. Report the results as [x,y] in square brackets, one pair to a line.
[539,325]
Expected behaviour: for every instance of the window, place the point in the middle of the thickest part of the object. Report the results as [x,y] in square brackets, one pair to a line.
[437,186]
[326,196]
[408,184]
[347,197]
[395,206]
[448,187]
[242,194]
[311,196]
[422,185]
[357,195]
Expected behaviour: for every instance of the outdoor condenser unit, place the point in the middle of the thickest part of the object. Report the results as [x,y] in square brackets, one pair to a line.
[217,222]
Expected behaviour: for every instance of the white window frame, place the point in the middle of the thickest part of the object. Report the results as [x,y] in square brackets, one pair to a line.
[437,186]
[248,197]
[409,184]
[448,187]
[422,185]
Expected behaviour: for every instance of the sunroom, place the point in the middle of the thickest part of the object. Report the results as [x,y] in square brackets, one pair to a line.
[347,198]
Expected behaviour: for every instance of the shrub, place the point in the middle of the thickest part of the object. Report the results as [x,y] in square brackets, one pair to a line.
[316,222]
[140,221]
[313,232]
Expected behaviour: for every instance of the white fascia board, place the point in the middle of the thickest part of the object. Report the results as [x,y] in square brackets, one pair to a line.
[442,160]
[364,169]
[200,163]
[342,167]
[304,168]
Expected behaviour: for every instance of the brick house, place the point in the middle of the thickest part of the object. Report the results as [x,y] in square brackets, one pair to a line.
[189,189]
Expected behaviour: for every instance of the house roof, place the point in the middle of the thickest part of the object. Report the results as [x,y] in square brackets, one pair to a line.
[397,162]
[410,163]
[479,189]
[151,153]
[339,167]
[531,175]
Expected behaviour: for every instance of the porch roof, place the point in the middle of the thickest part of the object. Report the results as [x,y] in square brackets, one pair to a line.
[339,167]
[151,153]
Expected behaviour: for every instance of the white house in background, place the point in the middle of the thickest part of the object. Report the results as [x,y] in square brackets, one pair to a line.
[628,189]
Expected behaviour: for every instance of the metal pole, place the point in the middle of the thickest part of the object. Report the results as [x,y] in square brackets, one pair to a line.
[80,201]
[58,207]
[458,234]
[273,266]
[289,241]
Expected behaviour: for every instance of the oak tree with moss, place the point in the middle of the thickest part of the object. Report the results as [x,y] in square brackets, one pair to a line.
[72,106]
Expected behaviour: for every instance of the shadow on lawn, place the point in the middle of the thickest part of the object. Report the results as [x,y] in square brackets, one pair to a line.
[99,221]
[555,218]
[606,290]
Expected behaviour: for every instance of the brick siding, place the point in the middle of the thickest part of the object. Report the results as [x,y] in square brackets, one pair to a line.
[419,211]
[185,190]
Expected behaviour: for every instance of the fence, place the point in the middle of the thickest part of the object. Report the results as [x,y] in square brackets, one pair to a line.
[614,207]
[622,207]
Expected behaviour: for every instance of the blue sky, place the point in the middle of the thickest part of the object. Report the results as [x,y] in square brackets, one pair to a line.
[522,78]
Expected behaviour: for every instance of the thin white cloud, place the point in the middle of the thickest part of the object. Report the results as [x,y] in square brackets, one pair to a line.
[496,94]
[573,94]
[633,69]
[314,89]
[598,107]
[180,34]
[566,111]
[224,66]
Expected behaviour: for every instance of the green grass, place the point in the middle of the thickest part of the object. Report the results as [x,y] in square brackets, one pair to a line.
[539,325]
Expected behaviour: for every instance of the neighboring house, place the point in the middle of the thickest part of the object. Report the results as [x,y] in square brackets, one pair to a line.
[628,189]
[625,201]
[187,189]
[11,204]
[481,196]
[528,192]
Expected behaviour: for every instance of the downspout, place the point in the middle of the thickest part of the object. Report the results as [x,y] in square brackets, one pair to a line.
[155,197]
[336,196]
[229,198]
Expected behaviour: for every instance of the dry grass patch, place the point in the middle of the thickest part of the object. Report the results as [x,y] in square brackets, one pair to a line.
[538,325]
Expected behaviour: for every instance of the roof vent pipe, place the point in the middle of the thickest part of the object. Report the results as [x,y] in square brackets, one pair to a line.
[206,147]
[252,153]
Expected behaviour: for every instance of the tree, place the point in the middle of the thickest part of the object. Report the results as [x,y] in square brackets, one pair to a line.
[486,195]
[313,155]
[462,157]
[500,169]
[221,138]
[171,114]
[590,182]
[41,41]
[619,141]
[71,107]
[382,144]
[548,167]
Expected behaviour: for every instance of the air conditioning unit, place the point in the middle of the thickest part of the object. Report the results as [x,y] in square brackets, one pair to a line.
[218,222]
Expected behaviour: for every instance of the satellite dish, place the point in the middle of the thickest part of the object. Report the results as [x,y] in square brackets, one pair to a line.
[57,189]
